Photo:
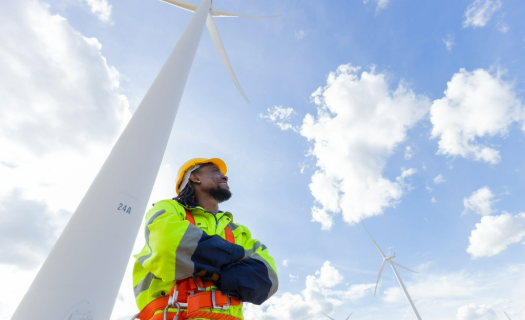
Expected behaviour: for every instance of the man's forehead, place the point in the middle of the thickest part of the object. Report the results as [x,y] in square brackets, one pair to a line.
[209,167]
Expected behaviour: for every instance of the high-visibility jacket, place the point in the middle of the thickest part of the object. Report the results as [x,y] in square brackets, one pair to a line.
[176,250]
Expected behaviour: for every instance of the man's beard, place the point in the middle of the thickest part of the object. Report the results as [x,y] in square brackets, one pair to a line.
[220,194]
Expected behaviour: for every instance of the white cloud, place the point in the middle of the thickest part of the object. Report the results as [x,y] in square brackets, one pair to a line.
[26,231]
[381,4]
[480,202]
[301,33]
[409,153]
[476,104]
[444,295]
[449,42]
[433,200]
[476,312]
[503,28]
[439,179]
[62,109]
[314,299]
[280,117]
[285,263]
[479,12]
[293,278]
[359,123]
[495,233]
[100,8]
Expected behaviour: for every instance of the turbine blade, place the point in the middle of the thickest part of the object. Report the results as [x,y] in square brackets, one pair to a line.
[507,315]
[327,315]
[220,48]
[405,291]
[349,316]
[182,4]
[379,277]
[215,13]
[219,13]
[377,246]
[397,264]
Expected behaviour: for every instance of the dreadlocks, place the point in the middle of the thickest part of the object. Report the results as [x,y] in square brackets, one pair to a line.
[187,196]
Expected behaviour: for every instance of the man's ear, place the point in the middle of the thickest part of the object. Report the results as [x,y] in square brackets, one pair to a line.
[194,178]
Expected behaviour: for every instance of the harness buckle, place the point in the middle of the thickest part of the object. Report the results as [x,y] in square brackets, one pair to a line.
[203,288]
[227,307]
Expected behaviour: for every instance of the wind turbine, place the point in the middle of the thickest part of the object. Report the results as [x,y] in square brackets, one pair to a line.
[333,318]
[214,33]
[81,277]
[393,264]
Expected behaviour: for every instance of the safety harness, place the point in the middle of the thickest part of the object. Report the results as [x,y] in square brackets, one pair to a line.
[191,294]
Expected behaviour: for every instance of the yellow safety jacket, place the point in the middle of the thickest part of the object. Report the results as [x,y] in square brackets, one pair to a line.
[176,250]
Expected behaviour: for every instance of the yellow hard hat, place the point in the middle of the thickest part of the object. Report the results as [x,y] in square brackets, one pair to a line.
[189,165]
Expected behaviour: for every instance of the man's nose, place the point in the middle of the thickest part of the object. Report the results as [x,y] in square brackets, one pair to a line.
[225,178]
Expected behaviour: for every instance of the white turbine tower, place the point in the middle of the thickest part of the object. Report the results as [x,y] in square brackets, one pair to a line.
[81,276]
[393,264]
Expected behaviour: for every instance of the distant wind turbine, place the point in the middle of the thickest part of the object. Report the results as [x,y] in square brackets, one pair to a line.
[333,318]
[393,264]
[507,315]
[81,276]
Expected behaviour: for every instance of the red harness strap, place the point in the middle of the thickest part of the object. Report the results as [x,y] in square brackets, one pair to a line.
[196,302]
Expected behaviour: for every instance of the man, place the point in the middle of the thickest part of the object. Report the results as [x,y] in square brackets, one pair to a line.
[196,253]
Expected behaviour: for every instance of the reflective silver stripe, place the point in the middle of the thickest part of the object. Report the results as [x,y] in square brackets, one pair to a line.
[256,246]
[144,284]
[146,233]
[184,267]
[271,274]
[232,226]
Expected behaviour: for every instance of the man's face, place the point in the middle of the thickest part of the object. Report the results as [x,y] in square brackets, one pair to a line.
[213,182]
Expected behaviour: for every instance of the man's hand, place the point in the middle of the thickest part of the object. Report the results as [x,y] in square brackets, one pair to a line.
[214,277]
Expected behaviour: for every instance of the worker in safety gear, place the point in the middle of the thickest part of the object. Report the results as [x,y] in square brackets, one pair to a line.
[197,263]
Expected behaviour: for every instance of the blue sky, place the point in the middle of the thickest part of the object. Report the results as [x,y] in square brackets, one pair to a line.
[407,115]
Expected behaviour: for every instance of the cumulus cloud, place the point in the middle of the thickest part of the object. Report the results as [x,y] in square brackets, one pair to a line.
[476,312]
[452,295]
[280,117]
[495,233]
[26,231]
[480,202]
[100,8]
[476,104]
[359,123]
[62,109]
[479,12]
[439,179]
[317,297]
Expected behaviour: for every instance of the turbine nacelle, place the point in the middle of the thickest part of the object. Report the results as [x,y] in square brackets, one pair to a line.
[214,33]
[390,258]
[393,265]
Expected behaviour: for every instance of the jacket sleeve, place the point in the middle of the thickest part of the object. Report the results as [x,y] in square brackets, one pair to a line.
[253,280]
[176,249]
